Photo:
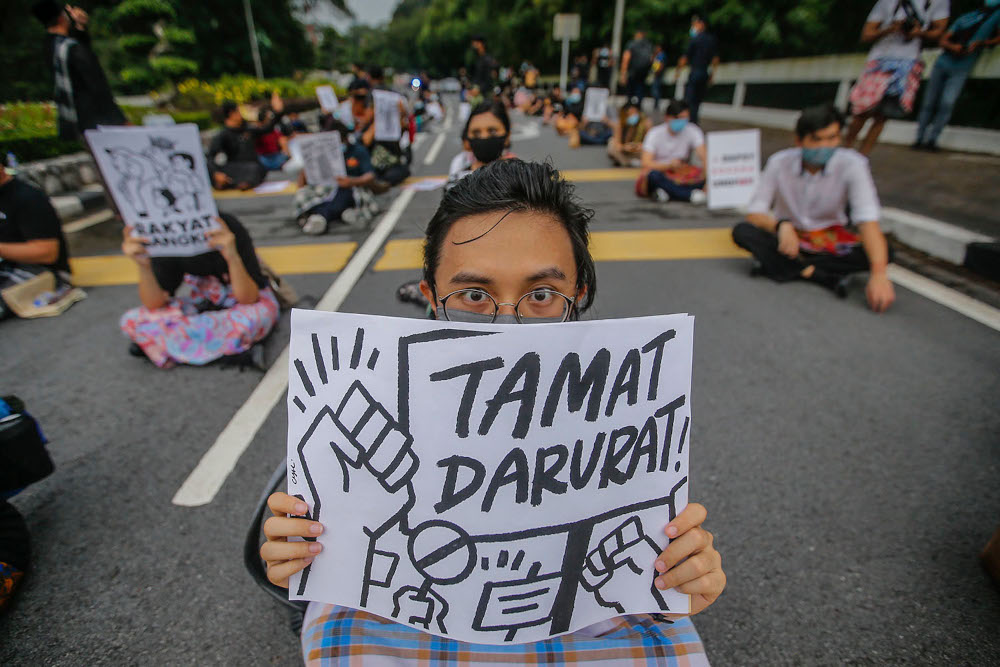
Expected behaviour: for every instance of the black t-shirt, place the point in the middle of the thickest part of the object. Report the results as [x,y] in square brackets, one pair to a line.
[641,58]
[27,215]
[702,49]
[170,271]
[92,98]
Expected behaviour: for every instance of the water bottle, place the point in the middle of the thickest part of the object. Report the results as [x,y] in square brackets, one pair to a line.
[11,160]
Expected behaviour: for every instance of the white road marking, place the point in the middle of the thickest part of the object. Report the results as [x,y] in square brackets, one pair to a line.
[435,149]
[946,296]
[204,482]
[89,221]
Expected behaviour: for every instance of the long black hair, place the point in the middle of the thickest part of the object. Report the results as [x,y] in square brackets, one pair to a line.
[515,185]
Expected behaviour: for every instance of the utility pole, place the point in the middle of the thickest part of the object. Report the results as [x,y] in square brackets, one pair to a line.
[253,40]
[616,44]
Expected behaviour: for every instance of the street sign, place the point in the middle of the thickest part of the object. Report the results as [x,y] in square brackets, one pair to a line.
[566,26]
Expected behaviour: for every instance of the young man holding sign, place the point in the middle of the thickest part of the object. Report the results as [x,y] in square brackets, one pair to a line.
[507,244]
[796,227]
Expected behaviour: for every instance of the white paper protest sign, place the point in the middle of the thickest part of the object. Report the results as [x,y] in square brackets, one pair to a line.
[387,125]
[493,484]
[327,98]
[595,104]
[159,181]
[733,167]
[323,157]
[464,111]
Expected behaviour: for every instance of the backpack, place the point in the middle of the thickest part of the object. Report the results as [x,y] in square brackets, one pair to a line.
[642,55]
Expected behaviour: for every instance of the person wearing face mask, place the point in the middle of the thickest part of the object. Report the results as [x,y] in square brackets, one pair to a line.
[625,145]
[961,46]
[232,155]
[567,121]
[667,152]
[485,138]
[796,227]
[507,244]
[702,53]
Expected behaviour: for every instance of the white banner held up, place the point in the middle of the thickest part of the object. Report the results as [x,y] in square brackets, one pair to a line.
[733,167]
[323,157]
[505,483]
[387,125]
[159,181]
[327,98]
[595,104]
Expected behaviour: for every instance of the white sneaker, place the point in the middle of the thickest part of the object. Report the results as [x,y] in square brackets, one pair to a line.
[698,197]
[662,196]
[356,215]
[315,225]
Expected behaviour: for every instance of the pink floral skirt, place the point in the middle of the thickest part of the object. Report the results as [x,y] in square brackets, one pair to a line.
[201,326]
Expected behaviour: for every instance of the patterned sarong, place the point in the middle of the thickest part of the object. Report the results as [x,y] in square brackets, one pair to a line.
[835,240]
[886,77]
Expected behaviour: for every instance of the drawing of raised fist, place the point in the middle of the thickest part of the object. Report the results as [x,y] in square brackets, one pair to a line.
[621,567]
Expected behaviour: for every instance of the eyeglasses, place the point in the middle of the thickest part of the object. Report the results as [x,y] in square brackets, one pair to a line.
[475,304]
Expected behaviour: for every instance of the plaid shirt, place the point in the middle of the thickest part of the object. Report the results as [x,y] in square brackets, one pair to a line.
[334,635]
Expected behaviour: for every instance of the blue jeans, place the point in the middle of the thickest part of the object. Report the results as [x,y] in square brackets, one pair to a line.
[334,208]
[676,191]
[943,88]
[272,161]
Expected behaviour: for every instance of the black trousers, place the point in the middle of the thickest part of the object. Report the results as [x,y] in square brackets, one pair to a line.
[763,245]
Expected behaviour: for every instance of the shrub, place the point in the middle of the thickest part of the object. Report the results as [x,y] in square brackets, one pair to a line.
[172,67]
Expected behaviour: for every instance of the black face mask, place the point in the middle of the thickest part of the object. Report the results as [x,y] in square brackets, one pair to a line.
[488,149]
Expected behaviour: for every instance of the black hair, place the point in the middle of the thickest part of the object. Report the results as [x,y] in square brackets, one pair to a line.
[186,156]
[338,126]
[495,107]
[514,185]
[359,84]
[676,108]
[48,12]
[478,38]
[816,118]
[376,71]
[228,107]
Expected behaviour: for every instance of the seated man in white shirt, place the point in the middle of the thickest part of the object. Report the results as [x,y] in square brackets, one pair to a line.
[796,224]
[666,158]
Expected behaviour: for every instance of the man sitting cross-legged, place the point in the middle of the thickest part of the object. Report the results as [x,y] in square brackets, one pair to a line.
[795,226]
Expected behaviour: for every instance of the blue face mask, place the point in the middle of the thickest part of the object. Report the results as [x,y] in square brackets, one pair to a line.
[632,120]
[573,98]
[693,32]
[818,157]
[678,124]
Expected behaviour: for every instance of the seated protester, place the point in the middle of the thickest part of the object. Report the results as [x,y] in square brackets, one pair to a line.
[625,145]
[387,157]
[232,155]
[291,125]
[316,206]
[567,121]
[31,238]
[227,305]
[272,147]
[596,132]
[533,244]
[667,149]
[485,138]
[795,227]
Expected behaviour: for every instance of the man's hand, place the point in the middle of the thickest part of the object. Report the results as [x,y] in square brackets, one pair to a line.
[880,292]
[135,247]
[690,562]
[622,80]
[78,16]
[223,240]
[220,180]
[277,104]
[345,181]
[788,240]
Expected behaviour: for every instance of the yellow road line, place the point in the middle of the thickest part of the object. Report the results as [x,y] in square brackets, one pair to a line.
[289,189]
[611,246]
[286,260]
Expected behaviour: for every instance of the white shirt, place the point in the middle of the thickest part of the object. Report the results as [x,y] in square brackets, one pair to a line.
[817,201]
[460,167]
[895,45]
[666,146]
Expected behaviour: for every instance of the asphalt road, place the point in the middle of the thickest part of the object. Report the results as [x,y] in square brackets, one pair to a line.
[849,461]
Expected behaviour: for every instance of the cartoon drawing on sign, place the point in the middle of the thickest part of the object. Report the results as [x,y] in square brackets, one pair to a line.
[426,567]
[158,178]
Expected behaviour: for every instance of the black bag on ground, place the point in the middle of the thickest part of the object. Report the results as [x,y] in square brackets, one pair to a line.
[23,457]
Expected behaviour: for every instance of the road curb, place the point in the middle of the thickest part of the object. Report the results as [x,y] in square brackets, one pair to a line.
[76,204]
[944,241]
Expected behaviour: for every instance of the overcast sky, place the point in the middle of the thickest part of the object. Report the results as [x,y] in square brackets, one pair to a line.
[371,12]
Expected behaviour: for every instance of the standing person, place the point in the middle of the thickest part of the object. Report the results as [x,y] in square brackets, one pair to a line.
[82,94]
[536,252]
[888,85]
[636,61]
[667,171]
[962,44]
[702,53]
[604,60]
[795,225]
[657,70]
[484,69]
